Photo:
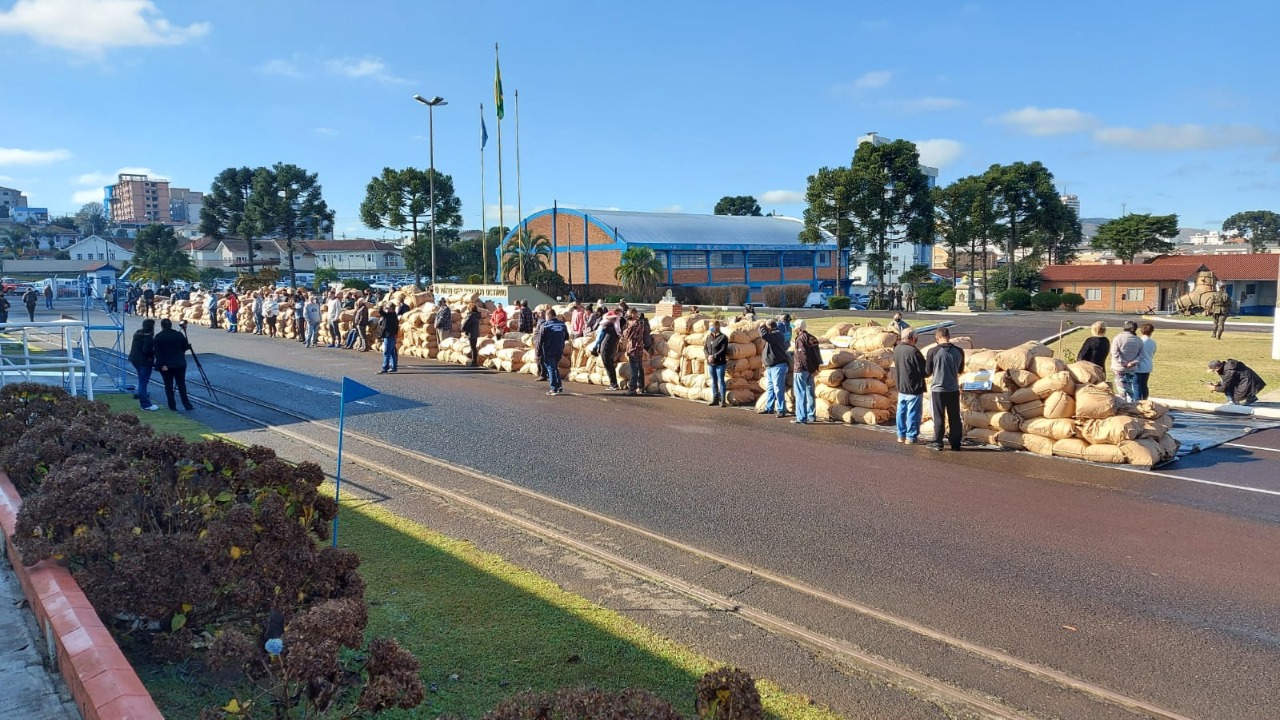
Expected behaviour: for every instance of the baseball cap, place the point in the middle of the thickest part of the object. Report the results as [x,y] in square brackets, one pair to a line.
[1215,364]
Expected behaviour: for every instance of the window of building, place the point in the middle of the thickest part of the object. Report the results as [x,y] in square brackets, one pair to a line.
[1251,289]
[824,258]
[79,256]
[1093,293]
[368,258]
[726,260]
[761,259]
[689,261]
[797,258]
[1134,294]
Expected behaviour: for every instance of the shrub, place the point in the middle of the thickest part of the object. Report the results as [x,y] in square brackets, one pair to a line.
[549,282]
[1046,301]
[728,694]
[613,298]
[354,284]
[786,296]
[727,295]
[584,704]
[1014,299]
[838,302]
[1071,301]
[935,297]
[475,279]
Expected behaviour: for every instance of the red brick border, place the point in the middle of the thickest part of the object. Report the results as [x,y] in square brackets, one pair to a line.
[104,685]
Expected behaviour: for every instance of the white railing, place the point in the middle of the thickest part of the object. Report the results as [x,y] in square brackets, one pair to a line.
[47,352]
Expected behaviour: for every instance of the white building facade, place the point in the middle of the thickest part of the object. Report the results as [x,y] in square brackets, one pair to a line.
[902,255]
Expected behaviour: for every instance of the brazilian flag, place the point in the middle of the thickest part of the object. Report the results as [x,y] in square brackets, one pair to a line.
[497,86]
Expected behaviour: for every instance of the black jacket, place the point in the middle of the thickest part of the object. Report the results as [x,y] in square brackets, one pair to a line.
[1239,382]
[807,356]
[775,348]
[471,324]
[526,320]
[1096,350]
[142,351]
[716,347]
[944,364]
[390,324]
[908,369]
[171,349]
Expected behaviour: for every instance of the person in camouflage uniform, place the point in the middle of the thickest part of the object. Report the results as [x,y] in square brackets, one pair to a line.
[1217,305]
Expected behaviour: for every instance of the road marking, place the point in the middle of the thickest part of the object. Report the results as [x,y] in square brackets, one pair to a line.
[1253,447]
[1171,476]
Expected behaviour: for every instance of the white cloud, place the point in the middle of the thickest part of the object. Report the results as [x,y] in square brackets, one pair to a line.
[326,132]
[1184,137]
[781,197]
[5,178]
[18,156]
[873,79]
[925,104]
[939,152]
[280,67]
[87,196]
[676,208]
[91,26]
[370,67]
[1048,121]
[95,178]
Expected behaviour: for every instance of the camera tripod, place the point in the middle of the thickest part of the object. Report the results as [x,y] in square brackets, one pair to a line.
[203,376]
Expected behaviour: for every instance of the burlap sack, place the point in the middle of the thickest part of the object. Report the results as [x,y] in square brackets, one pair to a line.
[1056,382]
[1006,421]
[1093,401]
[1011,440]
[975,419]
[1018,358]
[1104,454]
[865,386]
[1110,431]
[1141,452]
[1070,448]
[839,329]
[1030,410]
[867,416]
[1059,405]
[994,402]
[983,435]
[1037,444]
[833,395]
[830,378]
[926,430]
[1169,445]
[876,402]
[979,360]
[1045,366]
[1149,409]
[1048,427]
[864,369]
[1086,373]
[741,350]
[1022,378]
[836,358]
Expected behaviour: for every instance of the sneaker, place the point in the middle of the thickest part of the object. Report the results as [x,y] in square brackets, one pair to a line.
[152,407]
[797,422]
[935,446]
[383,371]
[782,414]
[551,392]
[902,439]
[393,369]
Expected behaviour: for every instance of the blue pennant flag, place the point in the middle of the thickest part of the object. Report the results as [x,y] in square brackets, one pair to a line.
[352,391]
[484,133]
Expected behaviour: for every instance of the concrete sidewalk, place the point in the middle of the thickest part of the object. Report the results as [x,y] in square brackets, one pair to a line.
[28,689]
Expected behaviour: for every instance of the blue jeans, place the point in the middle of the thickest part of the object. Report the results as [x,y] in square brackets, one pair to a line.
[910,412]
[717,380]
[775,398]
[803,385]
[1127,385]
[144,381]
[313,331]
[553,373]
[389,359]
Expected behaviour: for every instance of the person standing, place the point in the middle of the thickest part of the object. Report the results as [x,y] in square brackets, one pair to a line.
[909,298]
[1126,354]
[258,307]
[142,355]
[233,312]
[577,321]
[908,369]
[29,298]
[471,328]
[1097,348]
[211,306]
[716,348]
[776,361]
[806,360]
[148,301]
[48,295]
[526,317]
[1218,307]
[311,312]
[1147,363]
[551,348]
[1237,381]
[109,297]
[498,321]
[270,311]
[171,349]
[4,309]
[943,366]
[388,332]
[356,337]
[443,321]
[606,347]
[299,320]
[332,311]
[635,334]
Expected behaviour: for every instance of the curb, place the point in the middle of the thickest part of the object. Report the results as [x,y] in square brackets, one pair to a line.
[1266,413]
[102,682]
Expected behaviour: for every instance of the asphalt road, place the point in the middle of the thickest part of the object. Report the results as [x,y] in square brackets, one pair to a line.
[1154,585]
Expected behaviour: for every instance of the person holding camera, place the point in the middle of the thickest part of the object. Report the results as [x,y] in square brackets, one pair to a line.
[170,347]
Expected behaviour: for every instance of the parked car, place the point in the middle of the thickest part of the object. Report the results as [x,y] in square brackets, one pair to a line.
[816,300]
[7,285]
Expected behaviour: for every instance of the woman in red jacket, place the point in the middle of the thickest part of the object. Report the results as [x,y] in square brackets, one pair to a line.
[498,321]
[233,311]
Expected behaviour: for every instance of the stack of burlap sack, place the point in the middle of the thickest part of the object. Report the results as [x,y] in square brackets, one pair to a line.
[417,337]
[1039,403]
[855,384]
[679,360]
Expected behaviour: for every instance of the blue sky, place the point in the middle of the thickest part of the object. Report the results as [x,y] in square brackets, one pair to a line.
[1151,107]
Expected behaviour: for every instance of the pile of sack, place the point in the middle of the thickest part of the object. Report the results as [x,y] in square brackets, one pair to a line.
[1026,399]
[679,360]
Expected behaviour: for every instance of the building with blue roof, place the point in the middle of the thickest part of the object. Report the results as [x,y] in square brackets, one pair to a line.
[695,250]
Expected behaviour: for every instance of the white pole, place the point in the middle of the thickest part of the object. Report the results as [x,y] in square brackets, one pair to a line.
[1275,327]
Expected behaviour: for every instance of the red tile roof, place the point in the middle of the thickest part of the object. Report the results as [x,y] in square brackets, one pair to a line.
[1257,266]
[1166,272]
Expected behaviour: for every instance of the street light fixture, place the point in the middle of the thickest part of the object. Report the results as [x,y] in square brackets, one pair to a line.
[431,179]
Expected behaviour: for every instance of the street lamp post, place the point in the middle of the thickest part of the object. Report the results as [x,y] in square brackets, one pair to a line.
[431,179]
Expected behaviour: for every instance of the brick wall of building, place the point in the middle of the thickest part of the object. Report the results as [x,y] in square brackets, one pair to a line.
[1112,295]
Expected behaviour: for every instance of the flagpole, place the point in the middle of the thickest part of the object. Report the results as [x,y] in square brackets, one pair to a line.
[519,204]
[497,88]
[337,478]
[484,231]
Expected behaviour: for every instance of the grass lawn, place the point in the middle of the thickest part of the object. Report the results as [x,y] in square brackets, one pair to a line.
[482,627]
[1183,354]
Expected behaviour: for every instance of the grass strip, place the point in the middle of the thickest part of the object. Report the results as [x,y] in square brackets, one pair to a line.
[482,627]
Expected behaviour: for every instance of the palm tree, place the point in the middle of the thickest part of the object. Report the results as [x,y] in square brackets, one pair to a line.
[639,270]
[524,255]
[158,256]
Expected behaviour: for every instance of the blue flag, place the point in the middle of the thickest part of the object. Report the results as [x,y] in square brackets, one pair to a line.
[352,391]
[484,133]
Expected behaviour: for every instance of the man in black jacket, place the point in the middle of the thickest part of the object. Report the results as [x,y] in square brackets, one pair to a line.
[716,347]
[388,332]
[142,355]
[908,370]
[171,349]
[1237,381]
[943,365]
[776,361]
